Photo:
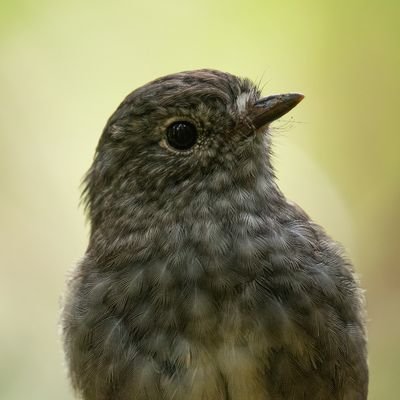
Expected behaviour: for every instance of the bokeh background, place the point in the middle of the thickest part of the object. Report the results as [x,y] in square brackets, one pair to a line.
[65,66]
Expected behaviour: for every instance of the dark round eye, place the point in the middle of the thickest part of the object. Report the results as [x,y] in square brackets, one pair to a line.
[181,135]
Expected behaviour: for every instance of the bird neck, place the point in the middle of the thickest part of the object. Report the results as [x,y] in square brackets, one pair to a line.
[221,205]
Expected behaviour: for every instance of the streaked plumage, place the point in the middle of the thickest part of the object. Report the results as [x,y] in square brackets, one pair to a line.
[201,281]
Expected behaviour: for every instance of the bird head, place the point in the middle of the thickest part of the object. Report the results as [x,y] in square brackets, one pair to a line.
[180,137]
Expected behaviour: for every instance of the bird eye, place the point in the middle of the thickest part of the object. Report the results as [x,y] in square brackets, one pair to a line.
[181,135]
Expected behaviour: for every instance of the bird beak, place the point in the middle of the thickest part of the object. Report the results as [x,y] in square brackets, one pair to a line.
[270,108]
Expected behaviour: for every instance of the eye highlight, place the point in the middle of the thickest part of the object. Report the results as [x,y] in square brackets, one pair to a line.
[181,135]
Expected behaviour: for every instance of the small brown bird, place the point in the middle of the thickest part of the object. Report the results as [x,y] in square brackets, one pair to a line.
[201,281]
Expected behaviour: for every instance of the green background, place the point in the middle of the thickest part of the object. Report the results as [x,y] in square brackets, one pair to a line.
[65,66]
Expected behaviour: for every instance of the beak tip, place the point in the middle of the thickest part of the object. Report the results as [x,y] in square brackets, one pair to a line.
[294,98]
[300,96]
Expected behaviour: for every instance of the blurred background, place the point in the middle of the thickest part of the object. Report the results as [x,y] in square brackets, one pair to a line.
[65,67]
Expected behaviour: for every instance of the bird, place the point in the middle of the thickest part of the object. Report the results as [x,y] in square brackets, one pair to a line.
[201,281]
